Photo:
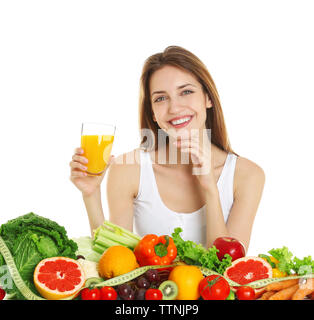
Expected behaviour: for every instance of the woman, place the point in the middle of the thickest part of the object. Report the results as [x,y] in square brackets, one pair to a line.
[215,194]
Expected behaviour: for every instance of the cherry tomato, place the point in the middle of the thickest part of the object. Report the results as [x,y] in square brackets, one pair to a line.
[108,293]
[2,294]
[245,293]
[214,287]
[90,294]
[153,294]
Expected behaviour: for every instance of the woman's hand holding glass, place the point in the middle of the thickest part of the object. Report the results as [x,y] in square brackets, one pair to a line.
[86,183]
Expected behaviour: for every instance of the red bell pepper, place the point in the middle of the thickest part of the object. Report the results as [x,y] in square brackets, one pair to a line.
[154,250]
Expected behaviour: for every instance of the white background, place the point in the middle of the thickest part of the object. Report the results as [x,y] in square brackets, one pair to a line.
[65,62]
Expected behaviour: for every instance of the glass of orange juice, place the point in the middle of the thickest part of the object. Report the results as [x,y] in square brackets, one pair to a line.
[96,141]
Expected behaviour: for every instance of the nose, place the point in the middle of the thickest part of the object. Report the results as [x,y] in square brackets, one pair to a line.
[174,106]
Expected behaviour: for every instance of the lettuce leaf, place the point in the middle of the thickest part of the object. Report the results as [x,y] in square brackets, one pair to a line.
[284,256]
[187,250]
[195,254]
[289,264]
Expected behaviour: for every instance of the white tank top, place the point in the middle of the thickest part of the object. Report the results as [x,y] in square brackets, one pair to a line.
[151,216]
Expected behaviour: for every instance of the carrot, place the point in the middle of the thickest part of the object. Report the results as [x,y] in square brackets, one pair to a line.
[311,296]
[267,295]
[280,285]
[304,290]
[285,294]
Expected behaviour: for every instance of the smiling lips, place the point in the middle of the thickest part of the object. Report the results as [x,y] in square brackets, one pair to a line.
[180,122]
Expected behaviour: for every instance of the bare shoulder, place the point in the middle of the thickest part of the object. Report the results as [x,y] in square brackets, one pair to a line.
[248,174]
[124,172]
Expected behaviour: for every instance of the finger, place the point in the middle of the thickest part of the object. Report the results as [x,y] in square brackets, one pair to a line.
[200,150]
[78,151]
[77,174]
[187,144]
[77,165]
[80,159]
[195,155]
[196,139]
[192,148]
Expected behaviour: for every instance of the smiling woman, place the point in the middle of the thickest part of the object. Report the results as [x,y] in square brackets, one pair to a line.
[197,182]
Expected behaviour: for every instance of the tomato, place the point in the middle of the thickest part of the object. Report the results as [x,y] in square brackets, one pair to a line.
[214,287]
[90,294]
[245,293]
[153,294]
[2,294]
[108,293]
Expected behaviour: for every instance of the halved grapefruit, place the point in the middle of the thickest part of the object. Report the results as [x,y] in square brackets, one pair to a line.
[58,277]
[249,269]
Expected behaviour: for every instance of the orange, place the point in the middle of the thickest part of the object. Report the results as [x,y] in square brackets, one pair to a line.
[187,279]
[58,277]
[115,261]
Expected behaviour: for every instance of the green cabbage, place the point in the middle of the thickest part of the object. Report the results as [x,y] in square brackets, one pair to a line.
[30,239]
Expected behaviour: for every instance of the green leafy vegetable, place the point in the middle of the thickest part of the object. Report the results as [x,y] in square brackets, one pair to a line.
[188,251]
[192,253]
[284,256]
[211,261]
[303,266]
[30,239]
[289,264]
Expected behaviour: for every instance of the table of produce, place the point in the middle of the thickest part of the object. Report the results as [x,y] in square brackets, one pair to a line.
[39,262]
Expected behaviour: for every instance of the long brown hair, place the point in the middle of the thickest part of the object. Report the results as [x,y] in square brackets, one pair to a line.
[183,59]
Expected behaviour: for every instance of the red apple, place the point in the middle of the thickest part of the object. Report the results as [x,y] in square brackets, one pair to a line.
[231,246]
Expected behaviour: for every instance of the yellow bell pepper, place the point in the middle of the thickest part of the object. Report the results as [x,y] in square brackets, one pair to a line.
[278,274]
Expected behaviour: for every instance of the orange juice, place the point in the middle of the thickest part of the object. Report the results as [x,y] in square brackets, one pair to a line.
[97,149]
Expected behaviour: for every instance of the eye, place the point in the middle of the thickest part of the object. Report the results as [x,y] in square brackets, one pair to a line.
[162,98]
[187,92]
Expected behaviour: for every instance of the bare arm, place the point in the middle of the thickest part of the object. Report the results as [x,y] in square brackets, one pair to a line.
[248,187]
[94,210]
[122,188]
[89,186]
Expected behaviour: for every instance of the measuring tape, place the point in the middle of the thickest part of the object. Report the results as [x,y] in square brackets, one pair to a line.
[29,295]
[19,282]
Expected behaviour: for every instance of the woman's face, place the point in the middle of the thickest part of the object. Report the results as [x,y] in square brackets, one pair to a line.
[178,100]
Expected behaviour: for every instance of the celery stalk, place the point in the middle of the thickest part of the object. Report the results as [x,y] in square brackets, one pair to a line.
[99,249]
[109,234]
[106,235]
[122,231]
[105,242]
